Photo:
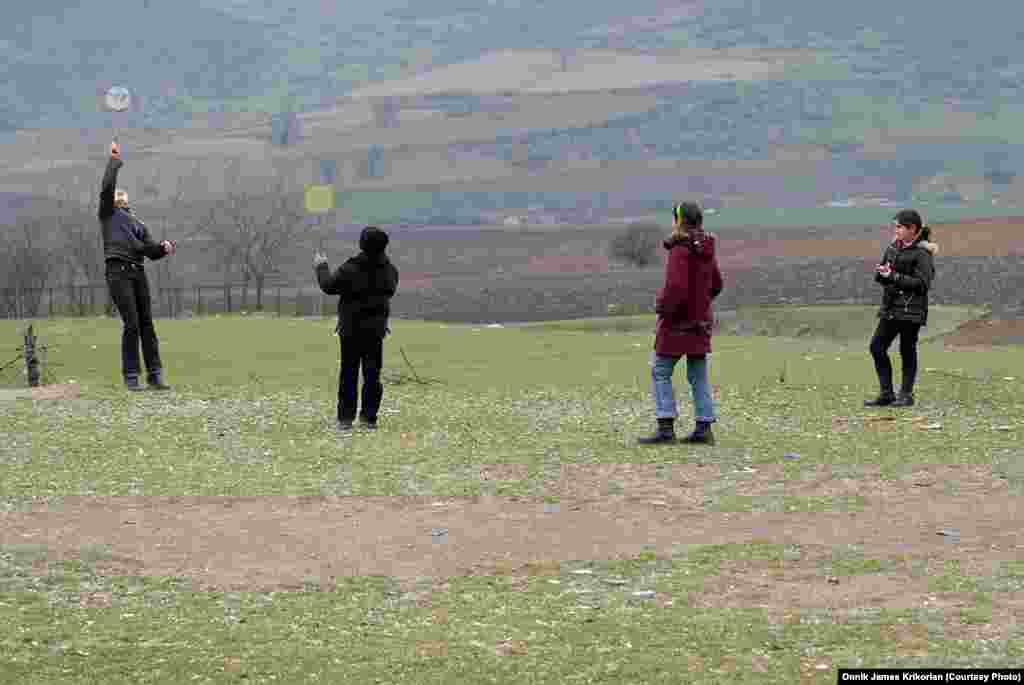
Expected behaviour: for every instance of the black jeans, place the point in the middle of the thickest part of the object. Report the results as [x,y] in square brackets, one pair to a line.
[129,289]
[366,351]
[886,332]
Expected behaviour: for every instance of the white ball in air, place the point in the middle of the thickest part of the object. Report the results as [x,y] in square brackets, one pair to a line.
[118,99]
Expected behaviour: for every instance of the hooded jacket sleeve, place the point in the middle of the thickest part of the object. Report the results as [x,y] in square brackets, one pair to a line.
[337,283]
[878,277]
[150,247]
[716,280]
[675,292]
[107,188]
[392,286]
[920,279]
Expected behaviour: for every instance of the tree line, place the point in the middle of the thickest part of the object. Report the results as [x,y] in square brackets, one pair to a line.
[54,240]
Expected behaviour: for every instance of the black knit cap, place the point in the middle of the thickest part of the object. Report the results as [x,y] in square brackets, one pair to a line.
[689,213]
[908,217]
[372,240]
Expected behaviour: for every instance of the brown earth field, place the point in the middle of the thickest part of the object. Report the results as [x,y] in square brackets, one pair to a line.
[279,543]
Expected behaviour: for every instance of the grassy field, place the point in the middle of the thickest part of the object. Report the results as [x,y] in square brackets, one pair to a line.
[554,409]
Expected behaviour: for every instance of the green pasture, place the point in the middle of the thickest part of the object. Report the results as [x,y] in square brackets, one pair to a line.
[252,415]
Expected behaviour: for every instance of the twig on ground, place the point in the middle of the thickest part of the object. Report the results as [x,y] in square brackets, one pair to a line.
[415,375]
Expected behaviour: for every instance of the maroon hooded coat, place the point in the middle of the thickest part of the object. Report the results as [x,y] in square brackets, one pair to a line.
[692,282]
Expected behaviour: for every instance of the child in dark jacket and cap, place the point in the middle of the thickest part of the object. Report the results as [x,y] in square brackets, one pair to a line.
[905,272]
[366,283]
[685,321]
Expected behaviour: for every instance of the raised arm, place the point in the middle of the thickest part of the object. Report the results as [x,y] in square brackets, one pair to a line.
[337,283]
[107,187]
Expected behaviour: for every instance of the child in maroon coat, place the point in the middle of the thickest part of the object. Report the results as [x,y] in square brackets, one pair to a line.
[692,281]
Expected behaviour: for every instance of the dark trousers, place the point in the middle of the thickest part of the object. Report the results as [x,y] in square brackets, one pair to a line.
[129,289]
[886,332]
[364,351]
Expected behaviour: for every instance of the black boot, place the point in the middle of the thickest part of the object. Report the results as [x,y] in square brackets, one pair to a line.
[905,399]
[884,399]
[156,381]
[666,433]
[701,435]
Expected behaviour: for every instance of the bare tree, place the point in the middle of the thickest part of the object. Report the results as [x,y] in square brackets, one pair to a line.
[171,222]
[638,245]
[255,227]
[81,244]
[25,268]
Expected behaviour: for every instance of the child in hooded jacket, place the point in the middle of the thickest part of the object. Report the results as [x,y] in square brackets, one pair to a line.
[685,321]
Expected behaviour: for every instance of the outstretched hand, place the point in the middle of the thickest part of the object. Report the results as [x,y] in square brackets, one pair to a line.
[115,150]
[318,259]
[170,247]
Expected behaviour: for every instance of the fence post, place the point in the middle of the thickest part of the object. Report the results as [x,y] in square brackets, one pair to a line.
[50,308]
[31,362]
[279,300]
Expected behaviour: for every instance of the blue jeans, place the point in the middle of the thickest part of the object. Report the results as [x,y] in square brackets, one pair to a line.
[696,373]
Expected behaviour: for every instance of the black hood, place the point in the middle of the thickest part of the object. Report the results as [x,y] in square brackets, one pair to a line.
[373,241]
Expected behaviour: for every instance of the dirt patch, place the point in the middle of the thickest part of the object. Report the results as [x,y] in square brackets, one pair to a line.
[66,391]
[282,542]
[986,333]
[794,592]
[914,487]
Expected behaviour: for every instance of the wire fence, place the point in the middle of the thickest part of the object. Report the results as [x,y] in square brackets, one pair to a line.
[167,302]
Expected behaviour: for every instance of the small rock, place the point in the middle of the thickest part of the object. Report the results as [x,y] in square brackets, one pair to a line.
[832,580]
[615,581]
[1003,428]
[583,572]
[644,594]
[790,455]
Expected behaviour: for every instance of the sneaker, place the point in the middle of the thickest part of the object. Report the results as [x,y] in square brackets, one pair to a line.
[344,425]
